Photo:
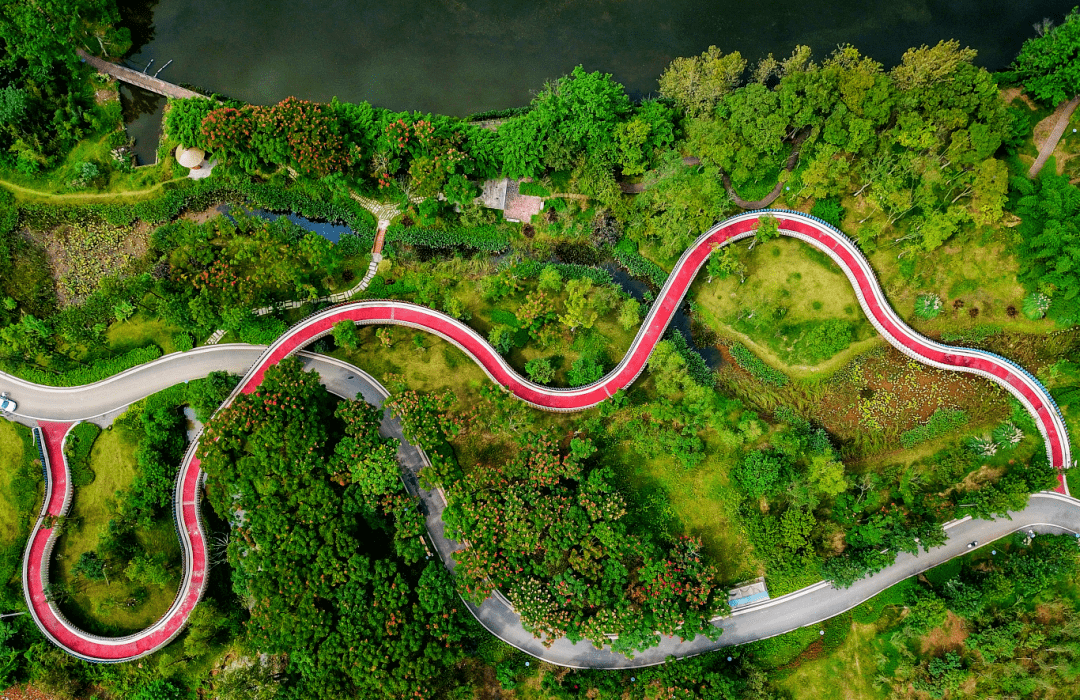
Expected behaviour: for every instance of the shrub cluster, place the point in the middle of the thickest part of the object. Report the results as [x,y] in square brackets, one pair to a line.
[943,420]
[757,369]
[101,369]
[695,364]
[638,265]
[569,271]
[489,238]
[77,450]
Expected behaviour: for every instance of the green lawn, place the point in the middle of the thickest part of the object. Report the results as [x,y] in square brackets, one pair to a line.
[439,366]
[15,451]
[141,330]
[98,607]
[790,288]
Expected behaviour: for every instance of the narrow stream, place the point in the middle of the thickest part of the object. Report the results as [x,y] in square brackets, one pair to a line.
[329,231]
[680,321]
[636,288]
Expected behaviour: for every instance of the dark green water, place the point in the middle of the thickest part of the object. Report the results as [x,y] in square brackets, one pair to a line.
[464,56]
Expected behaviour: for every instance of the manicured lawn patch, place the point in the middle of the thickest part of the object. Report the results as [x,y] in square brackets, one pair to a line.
[141,330]
[103,606]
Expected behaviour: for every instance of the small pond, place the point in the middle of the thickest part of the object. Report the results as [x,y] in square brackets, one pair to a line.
[331,232]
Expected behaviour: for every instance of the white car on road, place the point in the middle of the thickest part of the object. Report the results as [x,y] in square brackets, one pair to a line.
[6,404]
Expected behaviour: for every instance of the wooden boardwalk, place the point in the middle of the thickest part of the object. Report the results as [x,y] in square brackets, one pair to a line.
[134,77]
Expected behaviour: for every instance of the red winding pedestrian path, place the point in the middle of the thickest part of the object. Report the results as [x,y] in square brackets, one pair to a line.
[822,236]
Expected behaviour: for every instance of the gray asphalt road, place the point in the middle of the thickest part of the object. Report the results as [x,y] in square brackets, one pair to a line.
[112,395]
[1046,512]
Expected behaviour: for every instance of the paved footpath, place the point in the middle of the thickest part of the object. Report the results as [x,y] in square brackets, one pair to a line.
[1047,149]
[805,607]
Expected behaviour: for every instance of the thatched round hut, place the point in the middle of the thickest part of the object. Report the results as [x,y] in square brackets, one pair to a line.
[190,158]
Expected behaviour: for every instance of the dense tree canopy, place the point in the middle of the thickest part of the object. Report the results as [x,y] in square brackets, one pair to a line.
[548,531]
[1050,247]
[300,490]
[1049,64]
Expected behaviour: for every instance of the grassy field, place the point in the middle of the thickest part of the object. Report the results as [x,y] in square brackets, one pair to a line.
[699,501]
[702,502]
[100,606]
[789,290]
[789,279]
[141,330]
[848,673]
[976,270]
[56,185]
[15,451]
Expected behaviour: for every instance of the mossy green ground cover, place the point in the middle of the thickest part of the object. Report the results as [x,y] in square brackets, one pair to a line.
[871,654]
[21,489]
[975,268]
[55,186]
[702,502]
[101,606]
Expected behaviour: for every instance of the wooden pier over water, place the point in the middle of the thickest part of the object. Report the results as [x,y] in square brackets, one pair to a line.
[134,77]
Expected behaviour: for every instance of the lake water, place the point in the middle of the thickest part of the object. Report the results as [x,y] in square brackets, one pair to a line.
[142,112]
[464,56]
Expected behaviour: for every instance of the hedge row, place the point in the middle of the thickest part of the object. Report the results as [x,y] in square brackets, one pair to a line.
[695,364]
[942,422]
[77,450]
[199,194]
[569,271]
[379,289]
[757,369]
[639,266]
[498,113]
[101,369]
[489,238]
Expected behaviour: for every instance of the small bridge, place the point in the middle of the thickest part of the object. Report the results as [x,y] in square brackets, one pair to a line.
[134,77]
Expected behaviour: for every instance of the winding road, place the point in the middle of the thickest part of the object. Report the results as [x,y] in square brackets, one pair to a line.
[56,409]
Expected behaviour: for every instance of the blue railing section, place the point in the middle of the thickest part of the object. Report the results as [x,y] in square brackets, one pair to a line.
[757,597]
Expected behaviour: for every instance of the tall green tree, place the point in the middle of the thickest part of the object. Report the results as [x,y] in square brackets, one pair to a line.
[1050,250]
[574,115]
[698,83]
[1049,65]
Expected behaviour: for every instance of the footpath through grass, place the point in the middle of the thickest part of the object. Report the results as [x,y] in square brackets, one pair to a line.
[794,307]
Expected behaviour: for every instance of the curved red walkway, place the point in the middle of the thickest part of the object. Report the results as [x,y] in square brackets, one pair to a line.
[819,234]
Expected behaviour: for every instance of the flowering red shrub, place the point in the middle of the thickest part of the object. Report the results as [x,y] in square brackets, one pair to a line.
[295,133]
